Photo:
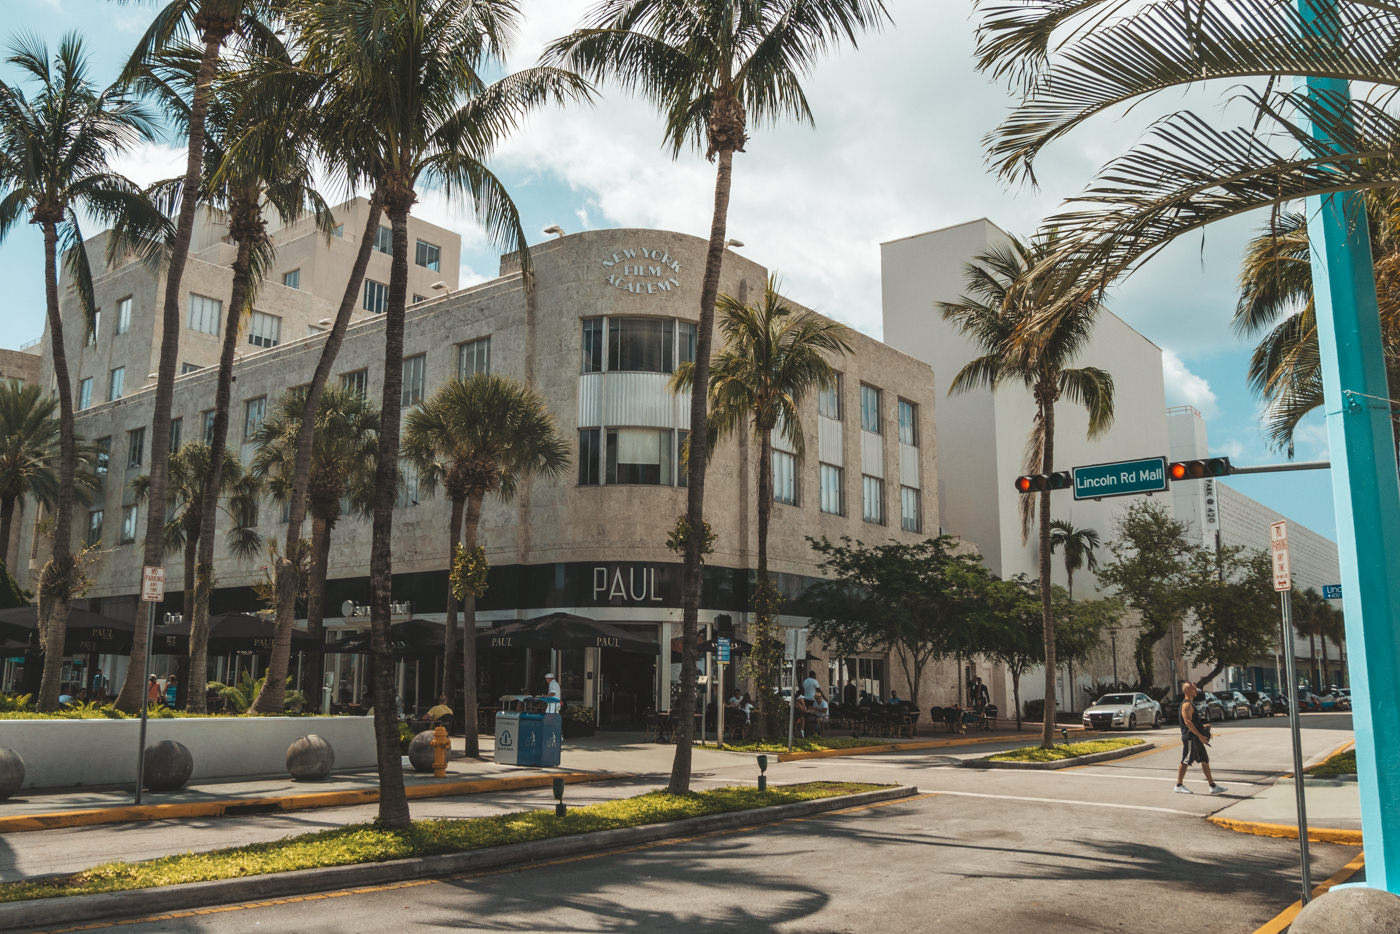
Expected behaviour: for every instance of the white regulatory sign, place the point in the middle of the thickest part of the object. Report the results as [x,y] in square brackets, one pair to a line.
[152,584]
[1278,541]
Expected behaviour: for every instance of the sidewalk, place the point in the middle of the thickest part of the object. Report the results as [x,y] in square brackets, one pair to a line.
[1333,811]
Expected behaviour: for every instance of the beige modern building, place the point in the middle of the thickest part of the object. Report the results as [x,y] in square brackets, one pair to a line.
[613,314]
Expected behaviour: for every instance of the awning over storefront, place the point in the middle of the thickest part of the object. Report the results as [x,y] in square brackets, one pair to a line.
[228,633]
[87,631]
[415,638]
[564,631]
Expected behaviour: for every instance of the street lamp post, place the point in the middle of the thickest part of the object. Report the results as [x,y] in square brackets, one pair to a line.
[1113,636]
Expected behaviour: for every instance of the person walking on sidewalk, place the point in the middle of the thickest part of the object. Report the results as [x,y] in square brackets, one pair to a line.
[1195,737]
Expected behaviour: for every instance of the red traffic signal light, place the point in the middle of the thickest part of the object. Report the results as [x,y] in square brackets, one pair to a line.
[1039,482]
[1199,469]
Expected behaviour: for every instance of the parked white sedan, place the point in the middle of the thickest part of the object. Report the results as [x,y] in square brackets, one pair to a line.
[1128,711]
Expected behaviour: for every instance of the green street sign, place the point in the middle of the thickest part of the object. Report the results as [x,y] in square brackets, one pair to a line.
[1145,475]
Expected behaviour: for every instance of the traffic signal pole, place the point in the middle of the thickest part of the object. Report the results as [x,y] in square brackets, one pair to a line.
[1365,488]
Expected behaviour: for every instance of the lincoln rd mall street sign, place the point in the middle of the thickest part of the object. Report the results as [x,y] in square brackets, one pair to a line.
[1146,475]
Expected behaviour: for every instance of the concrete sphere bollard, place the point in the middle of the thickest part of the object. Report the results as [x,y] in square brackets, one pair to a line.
[1355,911]
[168,766]
[310,758]
[420,752]
[11,772]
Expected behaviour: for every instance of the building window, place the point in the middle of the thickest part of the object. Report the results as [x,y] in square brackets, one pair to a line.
[588,456]
[205,314]
[254,411]
[412,391]
[189,368]
[208,416]
[408,481]
[384,240]
[419,299]
[264,330]
[96,326]
[124,316]
[908,423]
[376,297]
[784,478]
[474,357]
[910,511]
[833,496]
[428,255]
[115,381]
[128,534]
[339,231]
[686,341]
[84,393]
[356,381]
[872,499]
[177,428]
[102,458]
[94,530]
[640,455]
[870,409]
[644,345]
[292,280]
[829,398]
[592,345]
[135,448]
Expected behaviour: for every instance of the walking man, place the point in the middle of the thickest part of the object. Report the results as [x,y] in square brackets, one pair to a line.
[1195,737]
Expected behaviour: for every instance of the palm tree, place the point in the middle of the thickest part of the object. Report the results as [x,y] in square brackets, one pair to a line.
[1004,318]
[29,452]
[773,356]
[343,450]
[437,128]
[1079,547]
[709,67]
[54,152]
[214,22]
[476,436]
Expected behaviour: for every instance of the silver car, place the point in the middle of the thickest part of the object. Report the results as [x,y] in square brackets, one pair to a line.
[1128,711]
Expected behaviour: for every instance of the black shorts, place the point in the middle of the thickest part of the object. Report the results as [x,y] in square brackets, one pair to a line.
[1193,750]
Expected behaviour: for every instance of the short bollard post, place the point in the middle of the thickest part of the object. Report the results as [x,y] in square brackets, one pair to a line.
[762,773]
[440,746]
[559,807]
[1064,735]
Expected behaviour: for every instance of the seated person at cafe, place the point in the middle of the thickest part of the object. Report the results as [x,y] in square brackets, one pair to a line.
[821,711]
[865,699]
[802,714]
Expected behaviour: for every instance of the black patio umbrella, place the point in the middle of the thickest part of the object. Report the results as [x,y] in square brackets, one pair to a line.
[87,631]
[228,632]
[564,631]
[416,638]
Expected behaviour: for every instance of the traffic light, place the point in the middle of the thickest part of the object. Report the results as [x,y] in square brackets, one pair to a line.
[1197,470]
[1039,482]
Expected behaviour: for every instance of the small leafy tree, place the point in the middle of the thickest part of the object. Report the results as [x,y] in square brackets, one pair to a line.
[1015,629]
[924,601]
[1232,597]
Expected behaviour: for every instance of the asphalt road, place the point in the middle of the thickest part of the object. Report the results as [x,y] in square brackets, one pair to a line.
[1096,848]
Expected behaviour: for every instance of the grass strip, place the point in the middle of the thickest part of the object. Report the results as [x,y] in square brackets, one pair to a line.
[1343,763]
[813,744]
[1063,750]
[366,843]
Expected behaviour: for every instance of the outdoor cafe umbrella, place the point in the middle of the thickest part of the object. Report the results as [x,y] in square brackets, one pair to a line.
[87,631]
[564,631]
[228,633]
[415,638]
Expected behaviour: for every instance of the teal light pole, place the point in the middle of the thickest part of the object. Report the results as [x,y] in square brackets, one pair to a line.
[1365,488]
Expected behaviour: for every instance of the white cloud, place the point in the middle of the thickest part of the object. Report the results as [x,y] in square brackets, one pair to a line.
[1186,388]
[1310,442]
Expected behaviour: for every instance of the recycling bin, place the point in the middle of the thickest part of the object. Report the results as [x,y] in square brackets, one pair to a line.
[525,734]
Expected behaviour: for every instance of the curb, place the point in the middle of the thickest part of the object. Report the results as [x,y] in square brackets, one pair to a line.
[895,747]
[47,912]
[1090,759]
[1289,831]
[21,823]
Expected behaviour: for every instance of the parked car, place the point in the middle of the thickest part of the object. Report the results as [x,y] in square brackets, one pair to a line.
[1207,708]
[1279,701]
[1260,703]
[1234,703]
[1343,698]
[1128,711]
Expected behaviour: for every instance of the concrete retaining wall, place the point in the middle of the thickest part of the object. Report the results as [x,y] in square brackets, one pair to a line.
[71,753]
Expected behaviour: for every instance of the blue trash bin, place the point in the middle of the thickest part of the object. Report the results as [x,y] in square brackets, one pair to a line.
[527,736]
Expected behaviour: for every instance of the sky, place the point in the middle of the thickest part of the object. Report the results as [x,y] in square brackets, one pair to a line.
[896,150]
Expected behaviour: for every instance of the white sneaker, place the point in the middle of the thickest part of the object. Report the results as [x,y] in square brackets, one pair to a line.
[1217,789]
[1183,790]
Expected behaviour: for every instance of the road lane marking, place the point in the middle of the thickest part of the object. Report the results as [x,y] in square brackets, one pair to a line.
[1095,804]
[1286,917]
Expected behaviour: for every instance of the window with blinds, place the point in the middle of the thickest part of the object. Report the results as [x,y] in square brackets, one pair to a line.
[264,330]
[205,314]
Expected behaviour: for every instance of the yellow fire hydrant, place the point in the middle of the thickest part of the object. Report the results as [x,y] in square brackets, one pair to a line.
[440,746]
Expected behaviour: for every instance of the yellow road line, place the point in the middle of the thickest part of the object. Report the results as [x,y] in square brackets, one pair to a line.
[1288,831]
[896,747]
[477,874]
[21,823]
[1286,917]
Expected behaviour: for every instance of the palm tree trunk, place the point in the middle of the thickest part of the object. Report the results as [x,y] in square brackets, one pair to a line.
[56,581]
[218,446]
[190,521]
[695,491]
[198,674]
[1047,414]
[321,527]
[469,698]
[449,634]
[763,618]
[133,690]
[285,574]
[393,805]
